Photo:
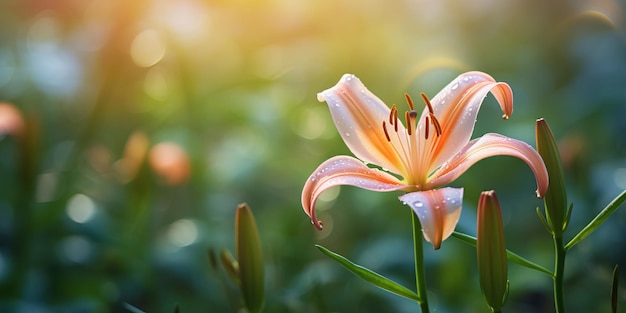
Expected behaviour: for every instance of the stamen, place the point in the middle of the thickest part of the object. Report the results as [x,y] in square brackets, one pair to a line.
[385,130]
[433,118]
[409,101]
[395,118]
[426,127]
[407,117]
[437,125]
[427,101]
[393,108]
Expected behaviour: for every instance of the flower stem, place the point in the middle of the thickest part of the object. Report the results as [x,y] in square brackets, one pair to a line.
[559,268]
[420,277]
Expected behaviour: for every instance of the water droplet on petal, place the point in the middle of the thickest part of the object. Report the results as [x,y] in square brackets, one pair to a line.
[347,134]
[455,86]
[418,204]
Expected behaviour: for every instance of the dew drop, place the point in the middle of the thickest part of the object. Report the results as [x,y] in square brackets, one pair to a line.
[347,134]
[418,204]
[455,86]
[313,179]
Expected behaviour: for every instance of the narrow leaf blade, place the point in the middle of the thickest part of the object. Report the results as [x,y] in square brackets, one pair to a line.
[598,220]
[371,276]
[614,288]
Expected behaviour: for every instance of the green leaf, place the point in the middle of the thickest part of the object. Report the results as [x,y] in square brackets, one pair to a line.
[248,246]
[598,220]
[510,255]
[132,308]
[370,276]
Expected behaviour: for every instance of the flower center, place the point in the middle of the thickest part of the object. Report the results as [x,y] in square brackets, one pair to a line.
[408,145]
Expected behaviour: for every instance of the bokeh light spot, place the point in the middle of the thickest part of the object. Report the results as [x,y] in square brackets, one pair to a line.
[147,48]
[80,208]
[171,162]
[311,124]
[182,233]
[155,84]
[620,178]
[75,249]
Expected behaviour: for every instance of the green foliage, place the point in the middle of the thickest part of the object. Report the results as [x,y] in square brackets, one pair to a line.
[371,276]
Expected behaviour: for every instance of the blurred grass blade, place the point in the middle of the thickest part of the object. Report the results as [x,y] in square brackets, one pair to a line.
[230,265]
[598,220]
[614,287]
[248,246]
[510,255]
[132,308]
[370,276]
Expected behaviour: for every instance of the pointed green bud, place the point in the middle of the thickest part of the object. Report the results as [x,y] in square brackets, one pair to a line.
[491,251]
[555,199]
[248,246]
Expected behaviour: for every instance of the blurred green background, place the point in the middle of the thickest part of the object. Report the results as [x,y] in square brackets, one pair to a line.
[142,124]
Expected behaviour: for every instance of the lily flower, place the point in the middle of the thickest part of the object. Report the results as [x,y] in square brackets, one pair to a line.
[424,153]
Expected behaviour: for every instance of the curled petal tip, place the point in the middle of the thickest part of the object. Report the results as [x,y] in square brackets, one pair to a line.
[505,116]
[318,224]
[320,97]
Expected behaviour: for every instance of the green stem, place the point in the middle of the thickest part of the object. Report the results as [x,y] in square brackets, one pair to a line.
[559,268]
[420,277]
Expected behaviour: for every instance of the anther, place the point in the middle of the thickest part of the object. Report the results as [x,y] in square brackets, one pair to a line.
[427,101]
[426,126]
[409,127]
[395,118]
[385,130]
[409,101]
[433,118]
[391,119]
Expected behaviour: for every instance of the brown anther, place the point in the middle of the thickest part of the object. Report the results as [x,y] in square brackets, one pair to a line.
[409,127]
[391,119]
[435,121]
[395,118]
[427,123]
[427,101]
[409,101]
[431,114]
[385,130]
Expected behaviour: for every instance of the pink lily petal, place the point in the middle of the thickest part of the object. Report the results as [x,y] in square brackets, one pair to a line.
[344,170]
[438,211]
[358,115]
[487,146]
[456,107]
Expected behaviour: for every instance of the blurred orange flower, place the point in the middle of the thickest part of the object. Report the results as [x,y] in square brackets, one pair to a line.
[11,120]
[171,162]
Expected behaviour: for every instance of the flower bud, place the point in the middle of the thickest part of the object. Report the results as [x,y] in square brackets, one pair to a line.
[491,251]
[248,246]
[555,199]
